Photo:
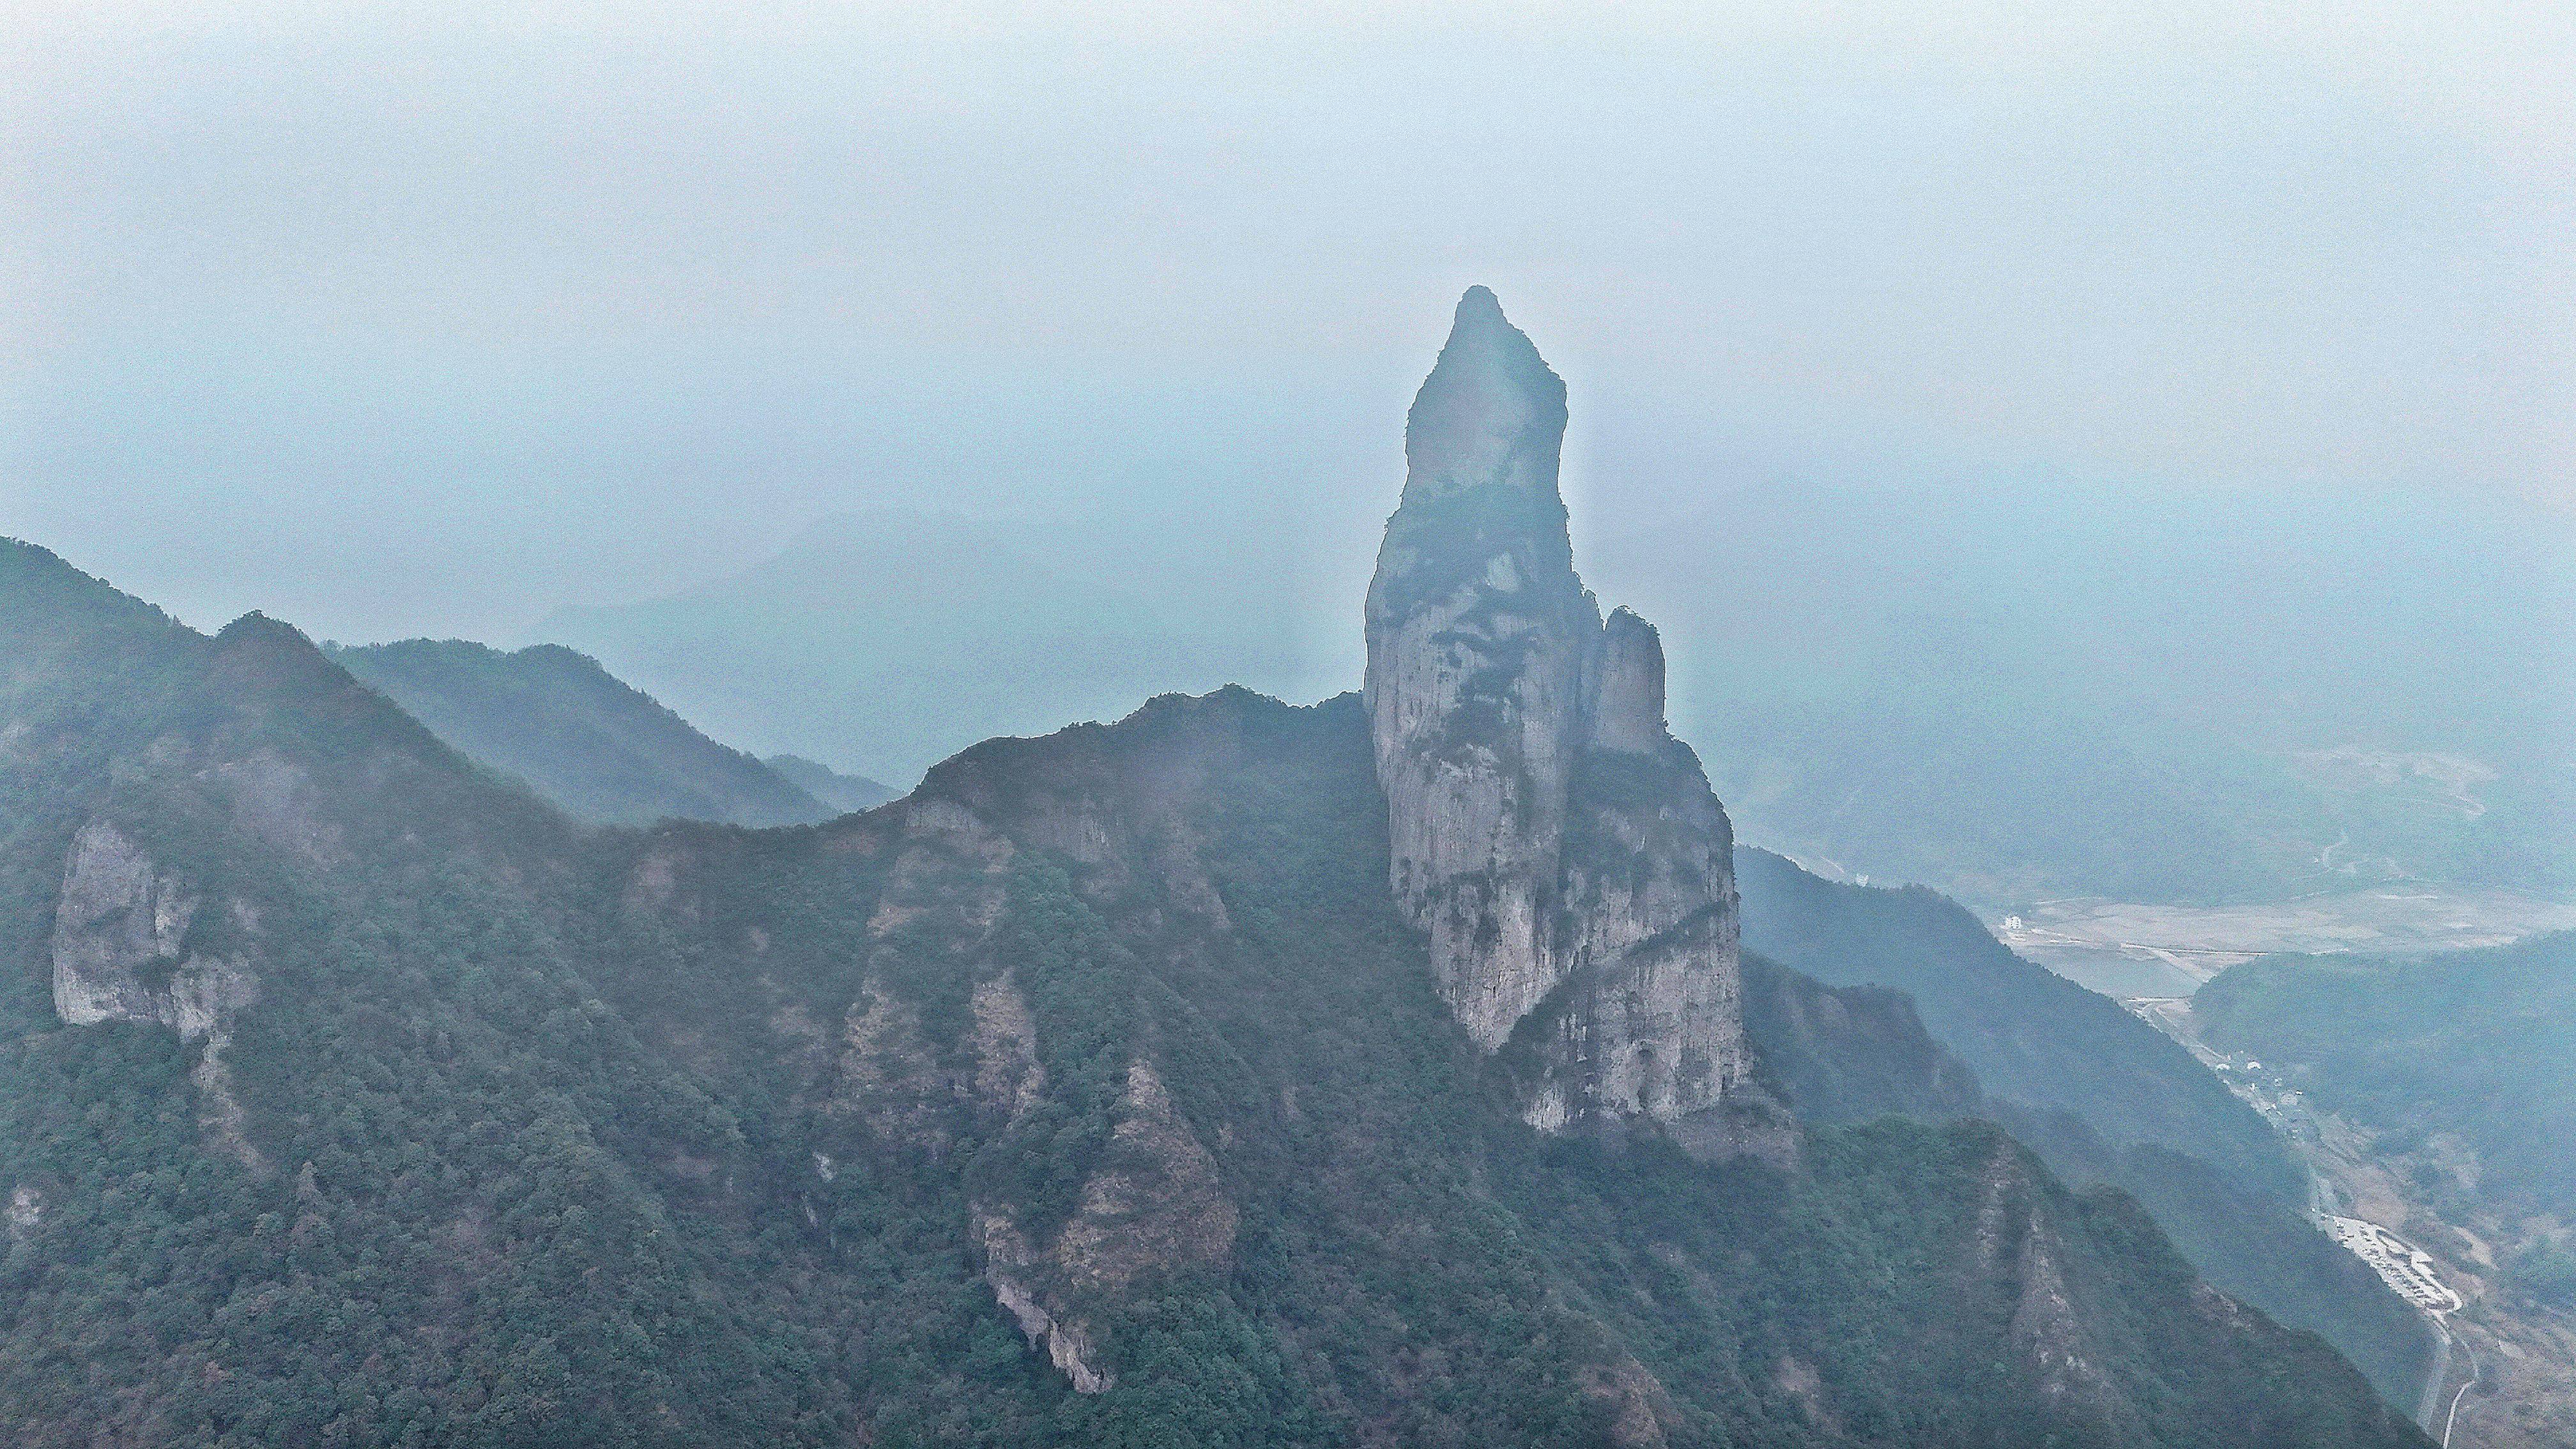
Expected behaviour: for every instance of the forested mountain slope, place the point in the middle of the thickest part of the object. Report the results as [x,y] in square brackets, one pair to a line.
[1097,1093]
[2440,1089]
[2102,1096]
[596,747]
[2474,1044]
[2029,1033]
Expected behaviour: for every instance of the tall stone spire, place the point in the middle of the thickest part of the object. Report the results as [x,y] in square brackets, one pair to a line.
[1560,850]
[1492,412]
[1479,641]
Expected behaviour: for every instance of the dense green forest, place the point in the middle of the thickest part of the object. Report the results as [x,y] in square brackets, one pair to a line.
[540,1135]
[2458,1061]
[2102,1096]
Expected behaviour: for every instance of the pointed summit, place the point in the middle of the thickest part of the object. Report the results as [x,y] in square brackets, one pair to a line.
[1628,699]
[1560,851]
[1492,410]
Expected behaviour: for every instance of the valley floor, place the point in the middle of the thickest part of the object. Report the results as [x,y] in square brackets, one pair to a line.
[2126,949]
[2509,1379]
[2506,1375]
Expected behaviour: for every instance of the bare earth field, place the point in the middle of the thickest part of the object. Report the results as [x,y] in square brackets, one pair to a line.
[2128,950]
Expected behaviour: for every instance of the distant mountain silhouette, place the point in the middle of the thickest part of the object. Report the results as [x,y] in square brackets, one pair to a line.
[893,640]
[841,792]
[599,748]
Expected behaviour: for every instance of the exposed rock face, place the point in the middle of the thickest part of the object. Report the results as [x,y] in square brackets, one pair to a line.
[1480,641]
[120,931]
[1562,851]
[1628,707]
[1156,1202]
[1162,1209]
[1160,1205]
[2024,1257]
[119,925]
[26,1211]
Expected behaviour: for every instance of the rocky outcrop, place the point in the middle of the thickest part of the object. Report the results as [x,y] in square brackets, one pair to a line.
[1154,1203]
[120,953]
[1157,1206]
[1480,648]
[1017,1270]
[25,1213]
[120,924]
[2025,1259]
[1628,703]
[1560,849]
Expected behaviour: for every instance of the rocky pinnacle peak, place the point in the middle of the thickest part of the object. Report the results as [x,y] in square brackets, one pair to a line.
[1560,853]
[1491,412]
[1628,700]
[1479,320]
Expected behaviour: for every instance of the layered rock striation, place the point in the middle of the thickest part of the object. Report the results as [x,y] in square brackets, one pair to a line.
[1561,850]
[936,892]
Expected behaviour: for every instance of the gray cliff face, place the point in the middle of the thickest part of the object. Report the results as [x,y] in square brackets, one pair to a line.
[120,936]
[1628,707]
[1480,644]
[1561,850]
[1156,1201]
[119,925]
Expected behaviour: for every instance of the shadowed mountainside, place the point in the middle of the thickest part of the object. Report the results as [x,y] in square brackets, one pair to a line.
[2101,1095]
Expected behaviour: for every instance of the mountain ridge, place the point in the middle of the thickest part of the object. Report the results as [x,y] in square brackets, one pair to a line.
[584,739]
[1105,1089]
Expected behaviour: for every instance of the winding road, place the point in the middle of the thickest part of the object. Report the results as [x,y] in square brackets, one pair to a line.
[2429,1402]
[2453,1418]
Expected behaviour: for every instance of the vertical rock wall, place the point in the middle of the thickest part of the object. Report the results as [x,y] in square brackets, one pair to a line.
[119,924]
[1560,849]
[1480,646]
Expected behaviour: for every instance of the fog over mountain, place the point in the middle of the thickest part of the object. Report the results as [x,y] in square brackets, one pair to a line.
[1361,726]
[2159,398]
[872,724]
[1386,1070]
[605,300]
[595,748]
[2247,698]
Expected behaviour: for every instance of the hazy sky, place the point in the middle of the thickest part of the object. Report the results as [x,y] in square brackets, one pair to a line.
[429,318]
